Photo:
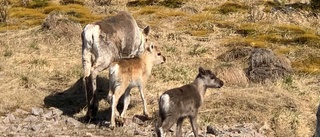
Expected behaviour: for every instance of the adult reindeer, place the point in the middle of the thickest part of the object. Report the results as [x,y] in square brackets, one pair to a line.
[106,41]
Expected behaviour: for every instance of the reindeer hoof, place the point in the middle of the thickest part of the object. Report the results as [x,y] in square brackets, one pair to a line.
[112,127]
[120,121]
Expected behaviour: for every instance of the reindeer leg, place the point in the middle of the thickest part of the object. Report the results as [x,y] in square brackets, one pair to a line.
[194,124]
[145,111]
[126,101]
[164,126]
[93,102]
[115,99]
[179,125]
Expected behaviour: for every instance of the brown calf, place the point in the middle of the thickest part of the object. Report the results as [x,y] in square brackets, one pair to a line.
[128,73]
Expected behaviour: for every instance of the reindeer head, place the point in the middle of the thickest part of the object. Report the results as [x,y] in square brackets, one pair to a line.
[209,79]
[155,54]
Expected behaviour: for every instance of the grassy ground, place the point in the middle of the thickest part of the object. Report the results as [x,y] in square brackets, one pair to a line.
[35,66]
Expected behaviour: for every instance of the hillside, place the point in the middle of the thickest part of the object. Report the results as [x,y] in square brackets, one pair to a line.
[41,68]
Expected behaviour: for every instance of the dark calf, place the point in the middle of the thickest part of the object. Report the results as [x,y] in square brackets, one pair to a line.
[184,102]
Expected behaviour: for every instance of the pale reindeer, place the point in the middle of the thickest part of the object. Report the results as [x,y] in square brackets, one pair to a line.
[127,73]
[179,103]
[106,41]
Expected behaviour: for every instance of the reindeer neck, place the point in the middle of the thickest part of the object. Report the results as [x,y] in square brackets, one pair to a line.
[147,63]
[200,87]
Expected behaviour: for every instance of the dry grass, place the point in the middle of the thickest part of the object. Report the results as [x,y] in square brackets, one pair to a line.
[231,75]
[38,68]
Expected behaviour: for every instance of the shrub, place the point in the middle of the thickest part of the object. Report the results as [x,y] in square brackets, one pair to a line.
[315,4]
[38,3]
[65,2]
[4,10]
[265,65]
[228,8]
[102,2]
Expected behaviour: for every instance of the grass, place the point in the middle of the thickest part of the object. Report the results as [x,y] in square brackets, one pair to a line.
[37,65]
[228,8]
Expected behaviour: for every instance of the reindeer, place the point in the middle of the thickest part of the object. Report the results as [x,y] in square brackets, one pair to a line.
[128,73]
[178,103]
[106,41]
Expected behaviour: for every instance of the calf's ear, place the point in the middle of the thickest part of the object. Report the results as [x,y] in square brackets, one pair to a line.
[201,71]
[146,30]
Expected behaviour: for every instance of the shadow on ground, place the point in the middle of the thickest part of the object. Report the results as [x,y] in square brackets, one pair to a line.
[73,100]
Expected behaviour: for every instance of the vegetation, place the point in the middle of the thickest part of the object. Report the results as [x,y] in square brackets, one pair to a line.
[35,64]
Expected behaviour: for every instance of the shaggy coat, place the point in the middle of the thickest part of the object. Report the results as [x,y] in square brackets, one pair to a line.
[184,102]
[106,41]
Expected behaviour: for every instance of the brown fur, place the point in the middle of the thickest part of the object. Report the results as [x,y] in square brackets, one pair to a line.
[178,103]
[128,73]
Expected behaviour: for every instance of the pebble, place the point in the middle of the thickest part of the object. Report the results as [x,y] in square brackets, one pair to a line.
[36,111]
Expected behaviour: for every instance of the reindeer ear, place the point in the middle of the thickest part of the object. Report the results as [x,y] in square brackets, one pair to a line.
[201,71]
[146,30]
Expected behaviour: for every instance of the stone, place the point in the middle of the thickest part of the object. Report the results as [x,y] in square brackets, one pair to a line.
[91,126]
[36,127]
[73,121]
[36,111]
[139,132]
[212,130]
[55,111]
[10,118]
[31,118]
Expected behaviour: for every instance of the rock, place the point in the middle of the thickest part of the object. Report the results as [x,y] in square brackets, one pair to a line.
[3,128]
[21,112]
[48,115]
[36,111]
[73,121]
[212,130]
[89,135]
[139,132]
[139,119]
[36,127]
[91,126]
[9,119]
[31,118]
[56,112]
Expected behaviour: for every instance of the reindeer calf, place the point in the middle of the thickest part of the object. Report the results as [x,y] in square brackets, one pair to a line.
[128,73]
[179,103]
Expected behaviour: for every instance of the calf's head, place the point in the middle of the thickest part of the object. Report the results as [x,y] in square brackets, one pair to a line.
[154,54]
[210,80]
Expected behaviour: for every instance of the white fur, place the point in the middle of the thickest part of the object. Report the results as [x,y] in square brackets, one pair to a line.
[91,40]
[165,102]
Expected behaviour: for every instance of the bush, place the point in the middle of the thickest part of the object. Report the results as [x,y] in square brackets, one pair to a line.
[102,2]
[4,10]
[315,4]
[65,2]
[265,65]
[38,3]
